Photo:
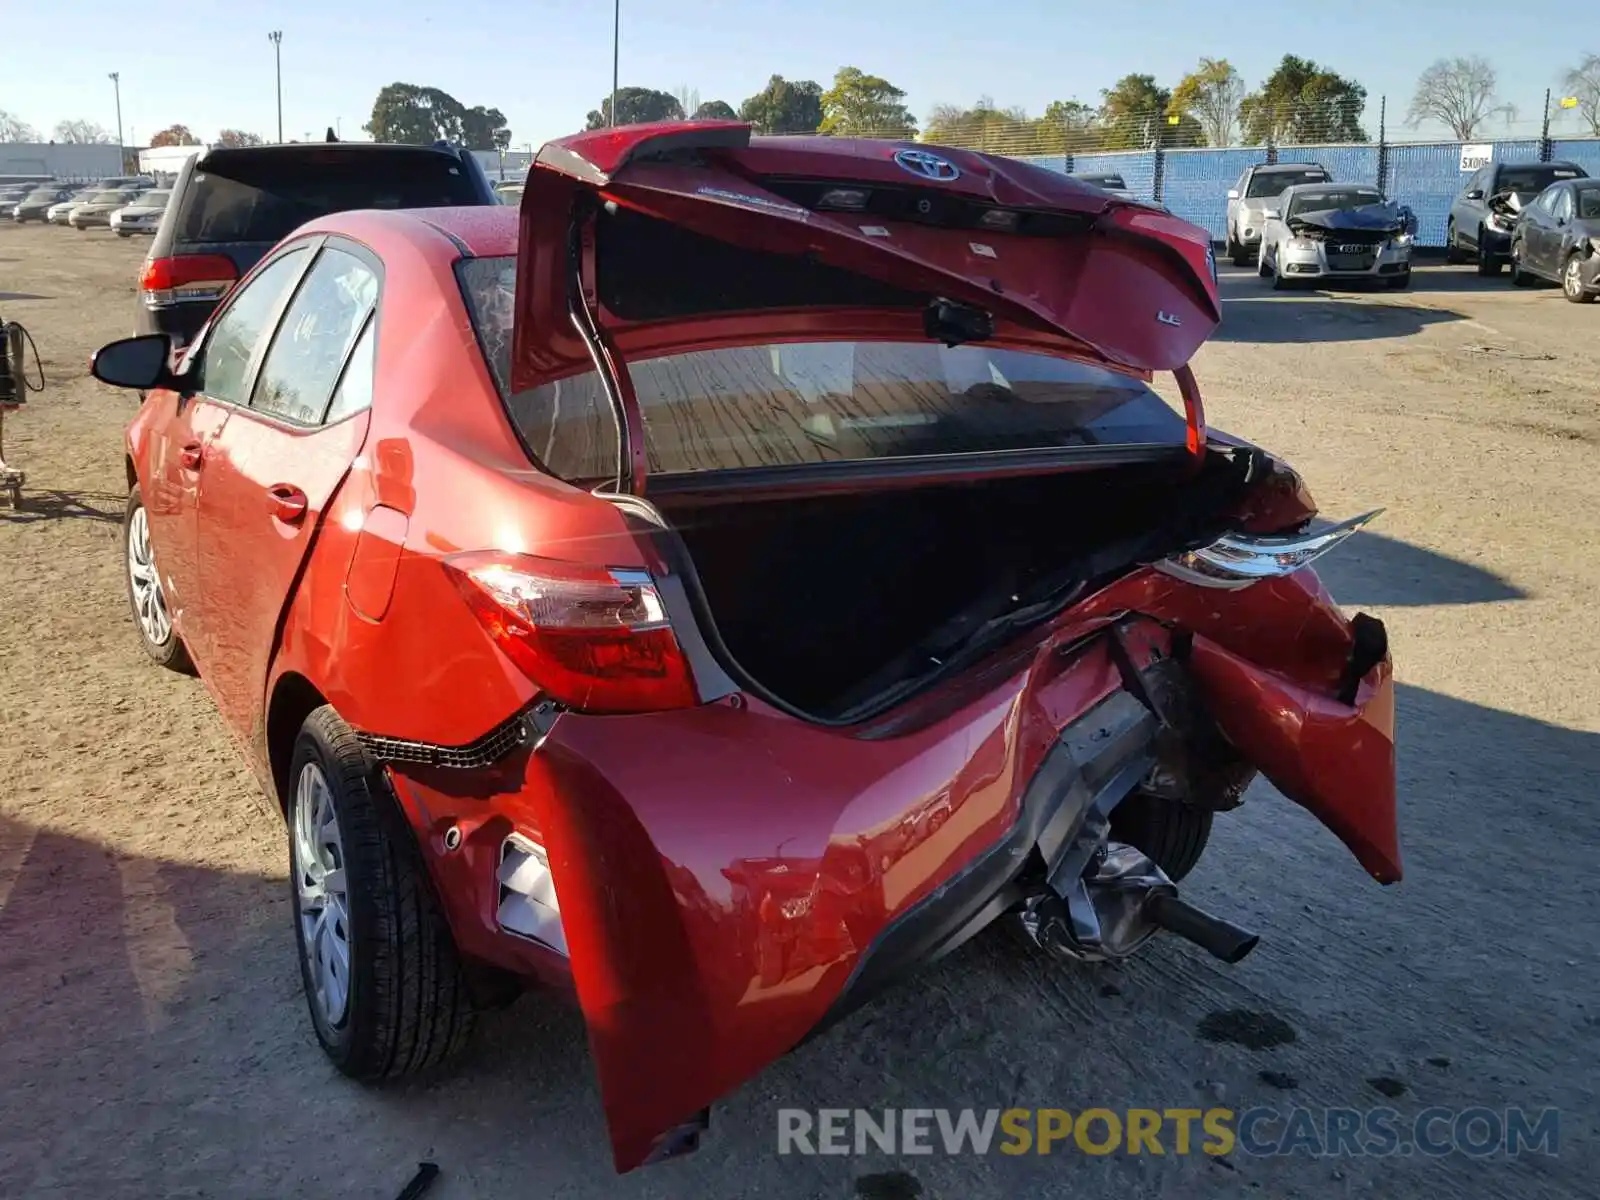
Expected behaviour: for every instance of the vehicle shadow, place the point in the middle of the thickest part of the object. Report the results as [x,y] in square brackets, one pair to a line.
[23,295]
[56,505]
[1283,317]
[157,1041]
[1374,569]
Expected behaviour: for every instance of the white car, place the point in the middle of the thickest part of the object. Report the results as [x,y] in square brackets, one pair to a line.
[143,215]
[1334,232]
[57,214]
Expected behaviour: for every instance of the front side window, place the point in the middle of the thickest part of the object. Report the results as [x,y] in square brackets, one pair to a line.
[315,338]
[224,360]
[801,403]
[1563,205]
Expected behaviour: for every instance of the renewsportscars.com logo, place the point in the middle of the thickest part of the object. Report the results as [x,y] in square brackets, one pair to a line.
[1324,1132]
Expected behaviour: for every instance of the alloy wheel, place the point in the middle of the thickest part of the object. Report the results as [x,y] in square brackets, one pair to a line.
[324,905]
[149,601]
[1572,278]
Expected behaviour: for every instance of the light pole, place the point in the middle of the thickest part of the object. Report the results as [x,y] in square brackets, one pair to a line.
[616,53]
[122,150]
[276,38]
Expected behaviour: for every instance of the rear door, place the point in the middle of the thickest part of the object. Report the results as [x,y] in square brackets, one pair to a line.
[184,432]
[277,464]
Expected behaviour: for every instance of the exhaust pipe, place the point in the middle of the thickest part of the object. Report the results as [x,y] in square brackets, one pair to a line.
[1118,906]
[1219,938]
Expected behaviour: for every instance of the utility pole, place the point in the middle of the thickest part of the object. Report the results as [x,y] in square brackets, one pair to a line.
[616,54]
[276,38]
[122,150]
[1544,136]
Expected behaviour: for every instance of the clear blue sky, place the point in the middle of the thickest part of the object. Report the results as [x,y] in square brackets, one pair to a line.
[545,65]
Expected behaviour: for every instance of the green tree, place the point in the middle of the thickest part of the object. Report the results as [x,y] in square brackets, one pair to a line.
[485,129]
[785,106]
[1134,116]
[411,115]
[1068,127]
[1302,103]
[175,135]
[637,106]
[715,110]
[1210,94]
[984,127]
[862,105]
[237,137]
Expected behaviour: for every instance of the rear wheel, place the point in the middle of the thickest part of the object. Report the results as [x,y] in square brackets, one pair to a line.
[385,986]
[1241,255]
[1572,281]
[1172,833]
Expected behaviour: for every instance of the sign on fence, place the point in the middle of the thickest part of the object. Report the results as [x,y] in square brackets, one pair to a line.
[1473,157]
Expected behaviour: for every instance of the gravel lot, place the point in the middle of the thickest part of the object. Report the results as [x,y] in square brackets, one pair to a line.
[153,1040]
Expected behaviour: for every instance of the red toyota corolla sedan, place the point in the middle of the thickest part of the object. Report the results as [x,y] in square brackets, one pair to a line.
[730,583]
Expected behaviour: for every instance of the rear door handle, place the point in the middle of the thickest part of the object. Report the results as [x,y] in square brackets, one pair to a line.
[192,455]
[287,502]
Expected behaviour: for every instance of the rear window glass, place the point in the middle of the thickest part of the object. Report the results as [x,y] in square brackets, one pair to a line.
[1532,179]
[789,404]
[1270,183]
[264,198]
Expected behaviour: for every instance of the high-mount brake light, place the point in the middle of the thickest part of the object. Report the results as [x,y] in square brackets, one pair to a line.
[186,277]
[592,639]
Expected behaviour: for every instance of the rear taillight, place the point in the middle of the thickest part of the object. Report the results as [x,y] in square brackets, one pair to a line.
[1240,559]
[186,277]
[593,639]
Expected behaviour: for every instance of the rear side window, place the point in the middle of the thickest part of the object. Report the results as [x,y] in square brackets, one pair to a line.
[790,404]
[265,197]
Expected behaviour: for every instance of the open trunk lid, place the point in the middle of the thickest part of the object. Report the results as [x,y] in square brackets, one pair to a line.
[1036,258]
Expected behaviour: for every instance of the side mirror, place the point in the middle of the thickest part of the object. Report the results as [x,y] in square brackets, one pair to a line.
[138,362]
[1475,194]
[1233,193]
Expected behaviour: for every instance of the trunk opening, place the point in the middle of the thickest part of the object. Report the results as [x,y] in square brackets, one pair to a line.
[838,606]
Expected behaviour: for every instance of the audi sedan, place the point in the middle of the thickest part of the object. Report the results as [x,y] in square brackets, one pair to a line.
[729,582]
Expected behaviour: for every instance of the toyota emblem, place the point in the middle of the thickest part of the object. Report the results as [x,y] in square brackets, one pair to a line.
[929,166]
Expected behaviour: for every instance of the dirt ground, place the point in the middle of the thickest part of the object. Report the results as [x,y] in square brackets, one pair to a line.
[153,1039]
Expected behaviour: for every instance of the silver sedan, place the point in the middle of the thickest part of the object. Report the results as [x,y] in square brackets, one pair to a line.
[1334,232]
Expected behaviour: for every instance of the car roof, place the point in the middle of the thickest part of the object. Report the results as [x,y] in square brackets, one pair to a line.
[1332,187]
[478,231]
[1262,168]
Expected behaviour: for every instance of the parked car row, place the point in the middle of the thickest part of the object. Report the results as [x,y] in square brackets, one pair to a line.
[1540,219]
[126,204]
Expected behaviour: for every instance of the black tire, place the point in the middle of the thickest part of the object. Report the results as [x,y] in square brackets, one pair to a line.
[1519,277]
[409,1008]
[1453,253]
[1578,294]
[1241,255]
[1488,265]
[1399,283]
[1171,833]
[1279,283]
[170,653]
[1262,269]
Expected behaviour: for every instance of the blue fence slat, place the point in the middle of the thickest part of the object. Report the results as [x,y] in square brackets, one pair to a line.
[1195,183]
[1583,151]
[1347,164]
[1137,168]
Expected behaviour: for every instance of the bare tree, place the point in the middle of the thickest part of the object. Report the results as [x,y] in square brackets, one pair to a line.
[1458,93]
[83,133]
[1582,83]
[15,129]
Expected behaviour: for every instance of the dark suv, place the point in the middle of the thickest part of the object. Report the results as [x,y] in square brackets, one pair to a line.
[1483,215]
[230,206]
